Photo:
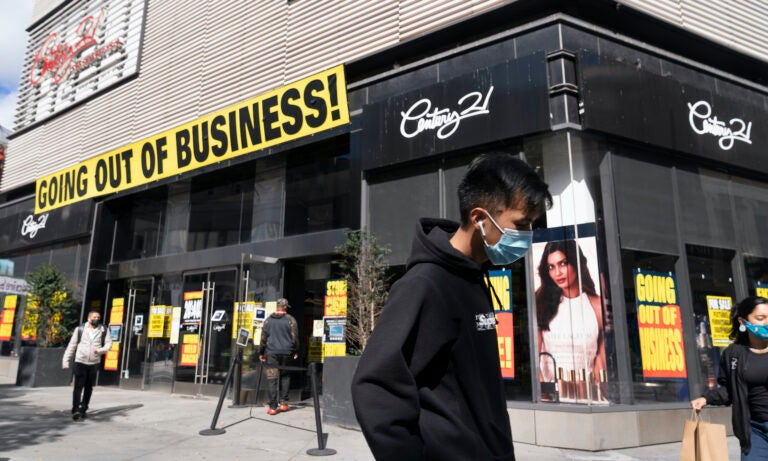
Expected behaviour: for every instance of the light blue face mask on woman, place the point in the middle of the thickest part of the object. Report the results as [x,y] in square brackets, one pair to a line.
[512,245]
[758,331]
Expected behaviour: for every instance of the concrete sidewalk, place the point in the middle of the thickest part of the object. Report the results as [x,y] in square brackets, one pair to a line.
[35,424]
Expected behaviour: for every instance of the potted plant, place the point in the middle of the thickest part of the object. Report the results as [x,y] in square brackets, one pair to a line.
[49,318]
[363,267]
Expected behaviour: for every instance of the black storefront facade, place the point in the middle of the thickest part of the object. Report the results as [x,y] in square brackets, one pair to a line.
[656,164]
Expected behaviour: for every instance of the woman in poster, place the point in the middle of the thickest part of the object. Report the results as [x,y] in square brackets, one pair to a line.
[570,320]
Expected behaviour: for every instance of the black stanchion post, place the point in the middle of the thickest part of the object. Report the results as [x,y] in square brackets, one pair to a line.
[321,450]
[237,380]
[212,430]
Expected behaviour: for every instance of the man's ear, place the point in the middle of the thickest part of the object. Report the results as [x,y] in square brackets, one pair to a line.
[477,216]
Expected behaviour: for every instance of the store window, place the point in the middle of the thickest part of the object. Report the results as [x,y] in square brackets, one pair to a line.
[651,296]
[269,188]
[713,295]
[138,224]
[221,208]
[397,200]
[757,275]
[317,191]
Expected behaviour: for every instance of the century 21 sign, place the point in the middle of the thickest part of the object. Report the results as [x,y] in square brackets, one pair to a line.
[314,104]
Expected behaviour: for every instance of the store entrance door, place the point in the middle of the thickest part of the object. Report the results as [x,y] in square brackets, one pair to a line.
[135,348]
[205,333]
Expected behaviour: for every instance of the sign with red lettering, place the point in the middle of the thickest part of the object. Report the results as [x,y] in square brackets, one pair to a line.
[83,48]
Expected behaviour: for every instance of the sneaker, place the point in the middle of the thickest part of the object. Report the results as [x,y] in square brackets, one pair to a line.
[76,416]
[272,411]
[283,407]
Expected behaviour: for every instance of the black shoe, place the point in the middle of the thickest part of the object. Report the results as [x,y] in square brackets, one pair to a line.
[76,416]
[83,414]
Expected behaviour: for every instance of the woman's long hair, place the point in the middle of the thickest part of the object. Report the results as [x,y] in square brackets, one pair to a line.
[548,295]
[743,309]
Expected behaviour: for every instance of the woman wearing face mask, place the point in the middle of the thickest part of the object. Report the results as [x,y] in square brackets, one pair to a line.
[743,378]
[570,320]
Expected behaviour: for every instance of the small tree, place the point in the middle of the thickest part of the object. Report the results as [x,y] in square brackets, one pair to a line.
[50,310]
[362,261]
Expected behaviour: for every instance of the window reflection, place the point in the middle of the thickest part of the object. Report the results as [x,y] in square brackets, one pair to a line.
[221,208]
[317,191]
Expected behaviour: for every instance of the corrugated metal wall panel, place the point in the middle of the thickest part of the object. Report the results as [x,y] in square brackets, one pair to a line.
[171,70]
[245,52]
[372,25]
[418,17]
[741,24]
[668,10]
[22,157]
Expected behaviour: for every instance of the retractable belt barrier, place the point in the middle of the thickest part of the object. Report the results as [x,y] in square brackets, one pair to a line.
[322,438]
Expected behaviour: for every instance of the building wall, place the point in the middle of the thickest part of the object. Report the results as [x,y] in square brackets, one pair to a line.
[742,25]
[203,55]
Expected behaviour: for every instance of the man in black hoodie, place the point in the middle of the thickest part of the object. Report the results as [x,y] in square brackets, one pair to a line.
[429,386]
[279,344]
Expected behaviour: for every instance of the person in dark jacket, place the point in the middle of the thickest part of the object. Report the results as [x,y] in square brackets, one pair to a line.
[279,346]
[743,378]
[428,385]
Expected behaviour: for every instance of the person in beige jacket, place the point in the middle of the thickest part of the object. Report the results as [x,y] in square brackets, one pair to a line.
[88,343]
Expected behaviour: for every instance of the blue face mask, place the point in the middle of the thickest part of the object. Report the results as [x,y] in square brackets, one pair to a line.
[758,331]
[512,245]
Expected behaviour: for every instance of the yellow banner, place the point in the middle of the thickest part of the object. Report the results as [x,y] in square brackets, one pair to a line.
[309,106]
[719,310]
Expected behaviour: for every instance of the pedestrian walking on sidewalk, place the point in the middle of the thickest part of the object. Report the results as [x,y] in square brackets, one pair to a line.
[743,377]
[88,343]
[429,385]
[279,346]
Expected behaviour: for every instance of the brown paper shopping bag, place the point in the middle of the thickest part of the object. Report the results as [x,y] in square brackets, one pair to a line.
[712,445]
[688,452]
[703,441]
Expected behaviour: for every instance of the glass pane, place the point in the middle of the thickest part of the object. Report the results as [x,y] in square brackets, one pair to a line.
[268,200]
[139,218]
[757,275]
[220,335]
[570,318]
[221,205]
[651,382]
[317,193]
[712,286]
[397,200]
[518,388]
[176,218]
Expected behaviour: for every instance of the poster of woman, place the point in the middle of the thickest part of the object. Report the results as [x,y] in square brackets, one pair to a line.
[570,320]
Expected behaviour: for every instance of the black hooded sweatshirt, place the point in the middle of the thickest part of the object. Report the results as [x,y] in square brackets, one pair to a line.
[429,386]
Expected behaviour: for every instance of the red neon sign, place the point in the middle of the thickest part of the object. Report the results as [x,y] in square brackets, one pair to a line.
[56,57]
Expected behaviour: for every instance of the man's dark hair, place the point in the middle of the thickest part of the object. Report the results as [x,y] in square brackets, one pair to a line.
[496,181]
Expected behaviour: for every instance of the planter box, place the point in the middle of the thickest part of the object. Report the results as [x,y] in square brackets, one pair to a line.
[337,393]
[41,367]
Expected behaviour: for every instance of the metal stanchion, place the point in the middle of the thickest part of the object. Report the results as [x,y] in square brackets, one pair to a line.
[322,438]
[212,430]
